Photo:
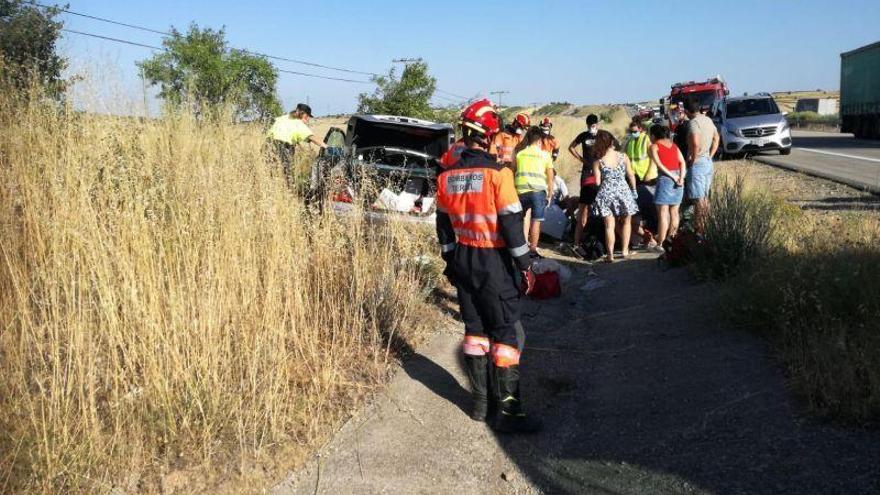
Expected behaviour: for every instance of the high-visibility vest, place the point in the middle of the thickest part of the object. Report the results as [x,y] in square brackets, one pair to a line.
[289,130]
[474,198]
[637,152]
[532,164]
[550,145]
[503,145]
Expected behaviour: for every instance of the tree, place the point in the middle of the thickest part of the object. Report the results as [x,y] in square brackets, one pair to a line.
[28,35]
[200,70]
[408,96]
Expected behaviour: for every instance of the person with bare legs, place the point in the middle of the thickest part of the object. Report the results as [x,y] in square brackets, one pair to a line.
[616,199]
[534,181]
[670,183]
[702,145]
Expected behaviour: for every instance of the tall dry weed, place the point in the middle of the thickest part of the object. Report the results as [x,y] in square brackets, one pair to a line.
[165,301]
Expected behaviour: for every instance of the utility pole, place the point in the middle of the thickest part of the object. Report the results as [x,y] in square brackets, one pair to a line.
[144,87]
[499,93]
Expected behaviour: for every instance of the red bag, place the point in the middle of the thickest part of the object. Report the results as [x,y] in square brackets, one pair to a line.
[547,285]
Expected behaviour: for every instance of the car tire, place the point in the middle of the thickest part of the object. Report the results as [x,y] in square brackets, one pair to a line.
[785,151]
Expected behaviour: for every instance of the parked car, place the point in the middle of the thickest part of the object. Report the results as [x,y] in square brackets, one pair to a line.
[385,163]
[750,124]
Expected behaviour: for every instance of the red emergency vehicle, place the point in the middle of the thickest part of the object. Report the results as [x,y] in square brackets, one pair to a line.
[709,93]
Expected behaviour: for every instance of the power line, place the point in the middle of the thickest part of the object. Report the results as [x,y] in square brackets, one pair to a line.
[133,43]
[285,59]
[165,33]
[117,40]
[452,94]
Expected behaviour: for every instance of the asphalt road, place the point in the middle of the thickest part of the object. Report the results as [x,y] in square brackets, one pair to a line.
[837,157]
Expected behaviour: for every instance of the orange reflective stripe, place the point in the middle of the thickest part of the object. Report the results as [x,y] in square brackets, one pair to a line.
[505,356]
[475,345]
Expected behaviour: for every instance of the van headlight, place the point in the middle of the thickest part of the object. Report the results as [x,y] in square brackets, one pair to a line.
[732,130]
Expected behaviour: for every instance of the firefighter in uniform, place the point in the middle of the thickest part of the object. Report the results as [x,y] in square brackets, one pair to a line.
[505,142]
[480,230]
[549,143]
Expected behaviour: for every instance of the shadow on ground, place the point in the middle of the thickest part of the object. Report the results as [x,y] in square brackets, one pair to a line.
[858,203]
[643,390]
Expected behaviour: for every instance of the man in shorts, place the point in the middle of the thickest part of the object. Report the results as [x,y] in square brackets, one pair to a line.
[534,182]
[702,145]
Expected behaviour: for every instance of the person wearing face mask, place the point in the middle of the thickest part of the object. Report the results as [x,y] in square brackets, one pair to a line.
[506,141]
[580,148]
[636,147]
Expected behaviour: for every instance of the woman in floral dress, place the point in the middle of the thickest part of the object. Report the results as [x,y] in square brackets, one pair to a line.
[616,200]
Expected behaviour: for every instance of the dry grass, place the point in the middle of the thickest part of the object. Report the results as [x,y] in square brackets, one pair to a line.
[787,100]
[812,289]
[168,304]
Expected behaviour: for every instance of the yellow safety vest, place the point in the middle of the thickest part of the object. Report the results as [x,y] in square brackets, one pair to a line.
[532,164]
[637,152]
[288,130]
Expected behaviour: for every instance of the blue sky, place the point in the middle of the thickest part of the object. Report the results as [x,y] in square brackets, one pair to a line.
[541,51]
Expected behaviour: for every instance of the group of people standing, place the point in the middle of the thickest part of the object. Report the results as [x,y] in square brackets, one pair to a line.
[638,187]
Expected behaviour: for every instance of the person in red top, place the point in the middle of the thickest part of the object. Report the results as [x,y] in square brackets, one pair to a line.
[672,169]
[549,143]
[505,142]
[480,230]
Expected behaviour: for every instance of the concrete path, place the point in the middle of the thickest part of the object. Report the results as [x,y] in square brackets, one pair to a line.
[642,389]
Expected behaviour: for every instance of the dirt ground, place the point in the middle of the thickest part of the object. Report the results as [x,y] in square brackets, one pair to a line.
[642,388]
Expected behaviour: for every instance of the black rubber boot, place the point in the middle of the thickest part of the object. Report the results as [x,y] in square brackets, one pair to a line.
[477,368]
[510,417]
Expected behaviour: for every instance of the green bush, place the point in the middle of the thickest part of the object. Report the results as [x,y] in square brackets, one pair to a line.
[553,108]
[740,227]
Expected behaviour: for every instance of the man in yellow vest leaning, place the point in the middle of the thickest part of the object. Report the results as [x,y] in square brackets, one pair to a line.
[534,182]
[287,131]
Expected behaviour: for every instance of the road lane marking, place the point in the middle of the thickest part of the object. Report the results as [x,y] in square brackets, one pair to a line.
[842,155]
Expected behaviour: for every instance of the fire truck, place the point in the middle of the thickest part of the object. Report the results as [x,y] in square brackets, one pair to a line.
[708,93]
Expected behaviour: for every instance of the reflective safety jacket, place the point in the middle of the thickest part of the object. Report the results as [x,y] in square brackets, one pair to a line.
[532,165]
[289,130]
[637,152]
[503,145]
[477,207]
[452,155]
[550,145]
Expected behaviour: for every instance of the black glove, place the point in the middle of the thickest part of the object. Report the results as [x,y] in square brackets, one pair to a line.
[449,271]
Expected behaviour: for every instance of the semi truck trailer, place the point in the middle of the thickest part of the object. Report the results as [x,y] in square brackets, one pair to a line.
[860,91]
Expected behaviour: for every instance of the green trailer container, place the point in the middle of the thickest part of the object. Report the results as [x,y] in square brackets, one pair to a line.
[860,91]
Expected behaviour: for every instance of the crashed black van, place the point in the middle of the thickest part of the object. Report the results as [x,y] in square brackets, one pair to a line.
[385,163]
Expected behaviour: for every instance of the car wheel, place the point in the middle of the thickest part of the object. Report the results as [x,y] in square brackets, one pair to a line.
[785,151]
